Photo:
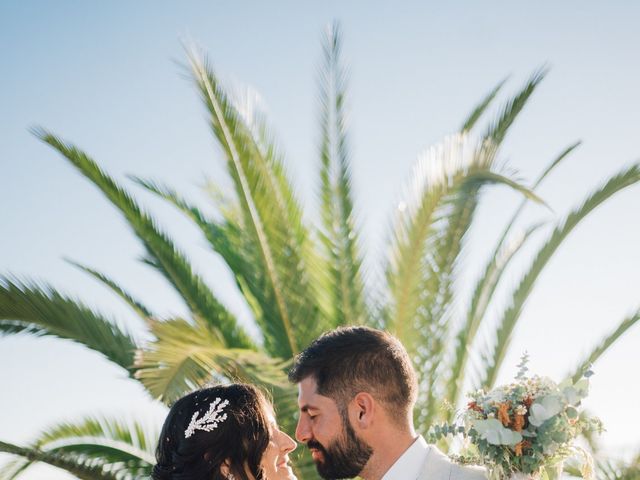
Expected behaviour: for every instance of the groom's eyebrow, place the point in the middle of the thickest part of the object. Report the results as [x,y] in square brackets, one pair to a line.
[306,407]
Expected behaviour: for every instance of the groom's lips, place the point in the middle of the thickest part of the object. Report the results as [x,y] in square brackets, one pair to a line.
[317,451]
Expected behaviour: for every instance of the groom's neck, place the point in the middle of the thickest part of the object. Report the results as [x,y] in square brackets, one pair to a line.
[388,447]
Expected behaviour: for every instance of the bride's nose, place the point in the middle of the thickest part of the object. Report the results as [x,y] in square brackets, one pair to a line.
[287,444]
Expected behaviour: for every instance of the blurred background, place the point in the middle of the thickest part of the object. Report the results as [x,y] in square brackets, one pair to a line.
[110,77]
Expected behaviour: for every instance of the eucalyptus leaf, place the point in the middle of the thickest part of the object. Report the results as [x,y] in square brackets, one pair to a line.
[493,432]
[545,408]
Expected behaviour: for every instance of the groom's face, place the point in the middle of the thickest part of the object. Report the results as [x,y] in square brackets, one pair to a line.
[335,447]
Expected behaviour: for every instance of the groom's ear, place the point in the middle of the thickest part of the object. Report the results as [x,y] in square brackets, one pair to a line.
[363,409]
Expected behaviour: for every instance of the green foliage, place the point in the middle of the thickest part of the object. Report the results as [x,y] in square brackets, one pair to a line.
[270,218]
[528,426]
[300,279]
[94,448]
[612,470]
[41,310]
[162,254]
[183,356]
[339,235]
[506,325]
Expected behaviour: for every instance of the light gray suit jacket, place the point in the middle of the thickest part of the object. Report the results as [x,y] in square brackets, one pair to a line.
[437,466]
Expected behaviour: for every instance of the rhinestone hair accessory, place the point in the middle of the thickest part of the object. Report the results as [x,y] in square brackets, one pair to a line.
[209,420]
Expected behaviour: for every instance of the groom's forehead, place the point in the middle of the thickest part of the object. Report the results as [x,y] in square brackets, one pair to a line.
[308,387]
[308,396]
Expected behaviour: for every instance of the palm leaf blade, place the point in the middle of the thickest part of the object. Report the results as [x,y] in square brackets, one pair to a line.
[511,315]
[271,220]
[184,356]
[487,283]
[142,311]
[605,344]
[481,297]
[339,234]
[162,253]
[44,311]
[481,107]
[77,466]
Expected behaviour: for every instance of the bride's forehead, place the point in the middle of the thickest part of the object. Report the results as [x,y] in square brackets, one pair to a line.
[271,418]
[269,415]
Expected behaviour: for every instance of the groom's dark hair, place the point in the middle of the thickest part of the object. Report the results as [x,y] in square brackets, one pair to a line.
[349,360]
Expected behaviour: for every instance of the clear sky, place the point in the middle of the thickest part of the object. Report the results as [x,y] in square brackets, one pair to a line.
[104,75]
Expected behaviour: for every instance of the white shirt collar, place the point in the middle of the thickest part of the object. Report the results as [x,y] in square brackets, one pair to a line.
[410,463]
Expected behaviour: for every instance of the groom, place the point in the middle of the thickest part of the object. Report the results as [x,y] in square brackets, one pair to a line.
[357,389]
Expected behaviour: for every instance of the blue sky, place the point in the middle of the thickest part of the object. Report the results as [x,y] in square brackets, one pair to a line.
[105,75]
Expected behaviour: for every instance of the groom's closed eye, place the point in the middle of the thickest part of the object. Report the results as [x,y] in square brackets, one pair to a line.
[308,409]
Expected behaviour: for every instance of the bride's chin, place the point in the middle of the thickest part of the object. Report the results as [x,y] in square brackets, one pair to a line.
[286,473]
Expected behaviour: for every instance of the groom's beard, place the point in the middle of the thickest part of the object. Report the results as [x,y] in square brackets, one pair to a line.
[345,457]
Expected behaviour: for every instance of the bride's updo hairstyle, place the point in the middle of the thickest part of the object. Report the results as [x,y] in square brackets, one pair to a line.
[191,448]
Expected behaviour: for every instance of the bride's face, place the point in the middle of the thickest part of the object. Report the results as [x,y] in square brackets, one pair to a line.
[275,460]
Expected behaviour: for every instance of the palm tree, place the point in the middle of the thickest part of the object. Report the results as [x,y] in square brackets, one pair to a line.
[92,448]
[299,279]
[608,469]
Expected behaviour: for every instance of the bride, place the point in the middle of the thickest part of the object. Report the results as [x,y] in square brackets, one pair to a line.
[226,432]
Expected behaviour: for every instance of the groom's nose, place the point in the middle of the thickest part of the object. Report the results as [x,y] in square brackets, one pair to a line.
[303,429]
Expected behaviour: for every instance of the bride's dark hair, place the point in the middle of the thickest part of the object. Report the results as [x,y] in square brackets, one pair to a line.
[240,440]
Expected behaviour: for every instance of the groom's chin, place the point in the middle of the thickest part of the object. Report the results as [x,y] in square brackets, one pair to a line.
[327,472]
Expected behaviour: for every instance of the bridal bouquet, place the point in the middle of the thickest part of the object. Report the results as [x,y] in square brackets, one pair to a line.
[524,429]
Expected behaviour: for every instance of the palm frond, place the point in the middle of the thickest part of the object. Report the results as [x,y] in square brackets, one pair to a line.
[185,356]
[444,173]
[339,233]
[448,247]
[610,469]
[450,244]
[434,316]
[124,448]
[605,344]
[79,466]
[41,310]
[487,283]
[510,316]
[271,220]
[498,129]
[143,312]
[477,112]
[439,171]
[162,254]
[482,295]
[14,468]
[564,154]
[114,441]
[418,309]
[225,237]
[554,163]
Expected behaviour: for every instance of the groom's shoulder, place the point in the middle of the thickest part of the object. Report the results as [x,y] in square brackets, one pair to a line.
[468,472]
[446,468]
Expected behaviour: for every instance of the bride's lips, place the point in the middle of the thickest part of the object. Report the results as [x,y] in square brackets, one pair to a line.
[284,463]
